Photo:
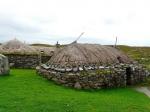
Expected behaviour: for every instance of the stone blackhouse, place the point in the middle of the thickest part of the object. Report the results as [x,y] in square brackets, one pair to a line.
[85,66]
[21,55]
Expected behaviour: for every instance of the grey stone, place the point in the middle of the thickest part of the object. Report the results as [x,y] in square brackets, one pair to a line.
[4,65]
[68,69]
[25,61]
[77,85]
[75,69]
[92,79]
[80,69]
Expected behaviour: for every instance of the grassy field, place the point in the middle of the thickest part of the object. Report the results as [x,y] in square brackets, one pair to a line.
[140,54]
[24,91]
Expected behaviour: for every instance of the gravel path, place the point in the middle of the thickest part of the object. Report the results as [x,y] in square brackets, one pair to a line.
[145,90]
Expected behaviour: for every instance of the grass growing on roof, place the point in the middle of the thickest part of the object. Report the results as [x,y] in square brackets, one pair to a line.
[24,91]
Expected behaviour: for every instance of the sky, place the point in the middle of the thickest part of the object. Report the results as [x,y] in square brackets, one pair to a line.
[49,21]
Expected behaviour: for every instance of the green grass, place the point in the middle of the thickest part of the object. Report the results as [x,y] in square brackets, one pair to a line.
[140,54]
[24,91]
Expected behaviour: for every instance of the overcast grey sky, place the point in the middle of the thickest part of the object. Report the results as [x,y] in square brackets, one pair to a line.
[46,21]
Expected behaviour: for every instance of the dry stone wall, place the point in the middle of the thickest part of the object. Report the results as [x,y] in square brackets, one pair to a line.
[25,61]
[114,76]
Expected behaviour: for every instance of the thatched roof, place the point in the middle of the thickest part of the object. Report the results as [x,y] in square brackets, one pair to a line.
[48,51]
[16,47]
[87,54]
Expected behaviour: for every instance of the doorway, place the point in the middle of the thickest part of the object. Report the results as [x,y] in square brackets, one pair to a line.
[128,75]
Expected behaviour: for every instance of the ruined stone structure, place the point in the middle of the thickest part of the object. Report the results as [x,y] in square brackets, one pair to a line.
[92,66]
[4,65]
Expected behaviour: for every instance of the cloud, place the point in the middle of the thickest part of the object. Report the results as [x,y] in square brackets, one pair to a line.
[48,21]
[10,23]
[109,21]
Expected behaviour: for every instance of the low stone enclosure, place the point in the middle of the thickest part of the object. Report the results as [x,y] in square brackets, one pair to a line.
[86,66]
[26,61]
[119,75]
[4,65]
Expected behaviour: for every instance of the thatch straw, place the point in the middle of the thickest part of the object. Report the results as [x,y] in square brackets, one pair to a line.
[16,47]
[87,54]
[48,51]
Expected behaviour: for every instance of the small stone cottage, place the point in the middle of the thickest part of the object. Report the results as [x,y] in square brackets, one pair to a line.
[4,65]
[85,66]
[21,55]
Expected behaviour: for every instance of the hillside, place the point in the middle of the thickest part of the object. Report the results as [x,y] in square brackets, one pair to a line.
[140,54]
